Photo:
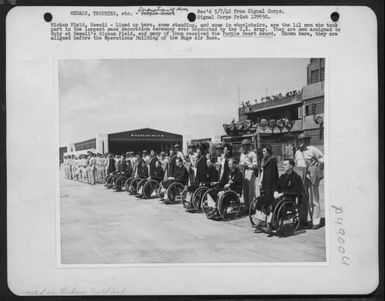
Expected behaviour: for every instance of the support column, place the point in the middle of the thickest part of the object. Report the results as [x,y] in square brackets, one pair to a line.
[102,143]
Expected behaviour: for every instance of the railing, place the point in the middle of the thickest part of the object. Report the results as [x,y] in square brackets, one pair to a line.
[268,104]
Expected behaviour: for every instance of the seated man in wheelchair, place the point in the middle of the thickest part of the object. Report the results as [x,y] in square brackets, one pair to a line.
[180,175]
[212,174]
[111,171]
[156,174]
[124,174]
[121,167]
[141,172]
[288,188]
[197,178]
[234,184]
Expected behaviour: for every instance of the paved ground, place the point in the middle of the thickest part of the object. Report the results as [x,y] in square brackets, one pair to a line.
[99,226]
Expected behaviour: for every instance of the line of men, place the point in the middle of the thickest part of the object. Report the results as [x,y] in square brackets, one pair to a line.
[248,175]
[90,168]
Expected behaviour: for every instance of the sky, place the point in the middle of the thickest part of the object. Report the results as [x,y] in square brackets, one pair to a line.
[184,96]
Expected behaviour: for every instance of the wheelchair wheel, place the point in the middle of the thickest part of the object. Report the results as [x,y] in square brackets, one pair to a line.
[127,183]
[258,207]
[175,193]
[109,182]
[196,198]
[209,204]
[228,205]
[151,189]
[253,211]
[275,209]
[121,181]
[133,185]
[139,187]
[184,200]
[105,181]
[287,219]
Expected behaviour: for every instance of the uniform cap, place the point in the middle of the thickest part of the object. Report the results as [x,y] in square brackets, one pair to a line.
[246,142]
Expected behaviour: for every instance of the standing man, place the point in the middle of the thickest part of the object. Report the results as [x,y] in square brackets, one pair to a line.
[249,165]
[92,168]
[163,161]
[312,159]
[178,153]
[146,157]
[199,175]
[65,166]
[151,163]
[171,164]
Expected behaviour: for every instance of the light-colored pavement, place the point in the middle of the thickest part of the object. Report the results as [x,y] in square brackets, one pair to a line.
[100,226]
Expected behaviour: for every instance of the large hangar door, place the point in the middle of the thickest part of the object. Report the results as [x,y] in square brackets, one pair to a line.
[120,147]
[142,139]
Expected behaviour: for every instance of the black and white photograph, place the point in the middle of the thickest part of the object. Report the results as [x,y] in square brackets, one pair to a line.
[192,161]
[159,150]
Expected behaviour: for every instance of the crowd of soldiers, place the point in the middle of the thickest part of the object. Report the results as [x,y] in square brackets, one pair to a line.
[247,174]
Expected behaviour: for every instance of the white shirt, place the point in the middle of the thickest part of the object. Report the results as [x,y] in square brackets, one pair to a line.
[311,155]
[249,159]
[180,155]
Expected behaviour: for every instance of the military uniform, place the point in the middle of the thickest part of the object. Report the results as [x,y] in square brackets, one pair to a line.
[249,163]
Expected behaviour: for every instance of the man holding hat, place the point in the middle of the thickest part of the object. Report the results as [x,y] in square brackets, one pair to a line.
[249,165]
[311,159]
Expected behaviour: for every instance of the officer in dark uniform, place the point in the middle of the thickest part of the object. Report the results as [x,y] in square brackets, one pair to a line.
[151,163]
[212,174]
[142,169]
[125,174]
[180,174]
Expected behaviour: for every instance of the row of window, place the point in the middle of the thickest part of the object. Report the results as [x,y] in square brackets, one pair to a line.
[317,75]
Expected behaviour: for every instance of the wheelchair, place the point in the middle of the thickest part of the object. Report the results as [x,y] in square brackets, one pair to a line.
[127,183]
[147,189]
[176,193]
[285,218]
[108,181]
[151,189]
[223,205]
[196,198]
[122,186]
[133,184]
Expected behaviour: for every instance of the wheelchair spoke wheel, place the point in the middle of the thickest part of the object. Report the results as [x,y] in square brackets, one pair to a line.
[127,183]
[119,184]
[105,181]
[197,197]
[253,211]
[209,203]
[139,186]
[151,189]
[133,185]
[185,199]
[228,205]
[288,218]
[174,192]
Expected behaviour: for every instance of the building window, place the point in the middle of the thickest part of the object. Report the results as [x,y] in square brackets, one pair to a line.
[313,108]
[313,78]
[322,74]
[320,108]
